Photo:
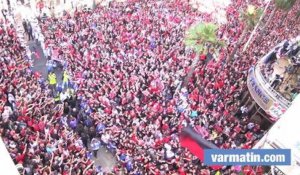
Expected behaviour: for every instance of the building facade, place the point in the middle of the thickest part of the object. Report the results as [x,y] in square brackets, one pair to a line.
[284,134]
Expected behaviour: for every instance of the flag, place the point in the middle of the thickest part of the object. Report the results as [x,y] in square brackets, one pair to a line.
[192,146]
[194,142]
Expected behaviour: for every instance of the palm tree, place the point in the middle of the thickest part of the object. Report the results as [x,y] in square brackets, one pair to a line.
[285,5]
[200,37]
[251,16]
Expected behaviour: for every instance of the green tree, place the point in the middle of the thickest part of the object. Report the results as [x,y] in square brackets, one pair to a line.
[200,37]
[285,5]
[250,17]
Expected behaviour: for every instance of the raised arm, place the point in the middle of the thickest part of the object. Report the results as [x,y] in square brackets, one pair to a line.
[89,166]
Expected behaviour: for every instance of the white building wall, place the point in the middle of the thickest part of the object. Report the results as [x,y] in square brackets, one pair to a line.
[285,134]
[7,165]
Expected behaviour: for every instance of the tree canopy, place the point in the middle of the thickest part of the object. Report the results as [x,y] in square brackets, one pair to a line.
[201,35]
[285,4]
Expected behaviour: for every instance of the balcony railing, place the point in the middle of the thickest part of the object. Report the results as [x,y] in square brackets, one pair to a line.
[276,96]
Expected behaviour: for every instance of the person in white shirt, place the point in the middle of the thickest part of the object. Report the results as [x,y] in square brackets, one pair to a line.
[64,95]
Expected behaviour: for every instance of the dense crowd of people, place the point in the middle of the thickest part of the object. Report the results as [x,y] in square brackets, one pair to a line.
[127,63]
[30,120]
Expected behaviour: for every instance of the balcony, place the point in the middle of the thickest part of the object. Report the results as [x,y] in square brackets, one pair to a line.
[275,80]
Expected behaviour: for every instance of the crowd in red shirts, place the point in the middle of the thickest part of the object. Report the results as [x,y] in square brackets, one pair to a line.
[127,63]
